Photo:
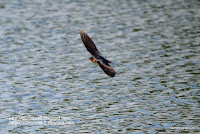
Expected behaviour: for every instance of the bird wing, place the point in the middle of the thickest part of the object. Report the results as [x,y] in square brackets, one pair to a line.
[89,44]
[107,69]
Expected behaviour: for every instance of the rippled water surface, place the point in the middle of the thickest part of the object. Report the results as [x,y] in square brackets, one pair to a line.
[45,71]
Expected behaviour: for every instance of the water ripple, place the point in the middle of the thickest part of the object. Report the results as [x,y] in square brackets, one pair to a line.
[45,69]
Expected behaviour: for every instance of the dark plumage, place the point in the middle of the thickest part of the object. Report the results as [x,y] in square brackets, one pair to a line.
[96,55]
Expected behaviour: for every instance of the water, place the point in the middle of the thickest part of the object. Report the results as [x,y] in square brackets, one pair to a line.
[45,71]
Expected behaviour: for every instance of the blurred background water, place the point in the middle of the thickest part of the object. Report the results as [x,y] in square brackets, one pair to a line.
[45,71]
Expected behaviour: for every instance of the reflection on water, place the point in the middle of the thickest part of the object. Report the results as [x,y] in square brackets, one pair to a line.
[45,71]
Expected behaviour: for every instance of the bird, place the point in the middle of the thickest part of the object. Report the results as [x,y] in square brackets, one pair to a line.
[96,55]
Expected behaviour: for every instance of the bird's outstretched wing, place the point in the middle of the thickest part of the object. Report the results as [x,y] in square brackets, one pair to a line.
[107,69]
[89,44]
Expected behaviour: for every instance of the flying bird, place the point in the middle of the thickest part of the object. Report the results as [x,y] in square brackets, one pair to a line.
[96,55]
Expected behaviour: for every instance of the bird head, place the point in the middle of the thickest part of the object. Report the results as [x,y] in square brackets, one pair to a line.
[92,59]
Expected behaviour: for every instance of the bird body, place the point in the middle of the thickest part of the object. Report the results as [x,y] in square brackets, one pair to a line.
[96,55]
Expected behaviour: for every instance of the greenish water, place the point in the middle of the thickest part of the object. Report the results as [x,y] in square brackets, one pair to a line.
[45,71]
